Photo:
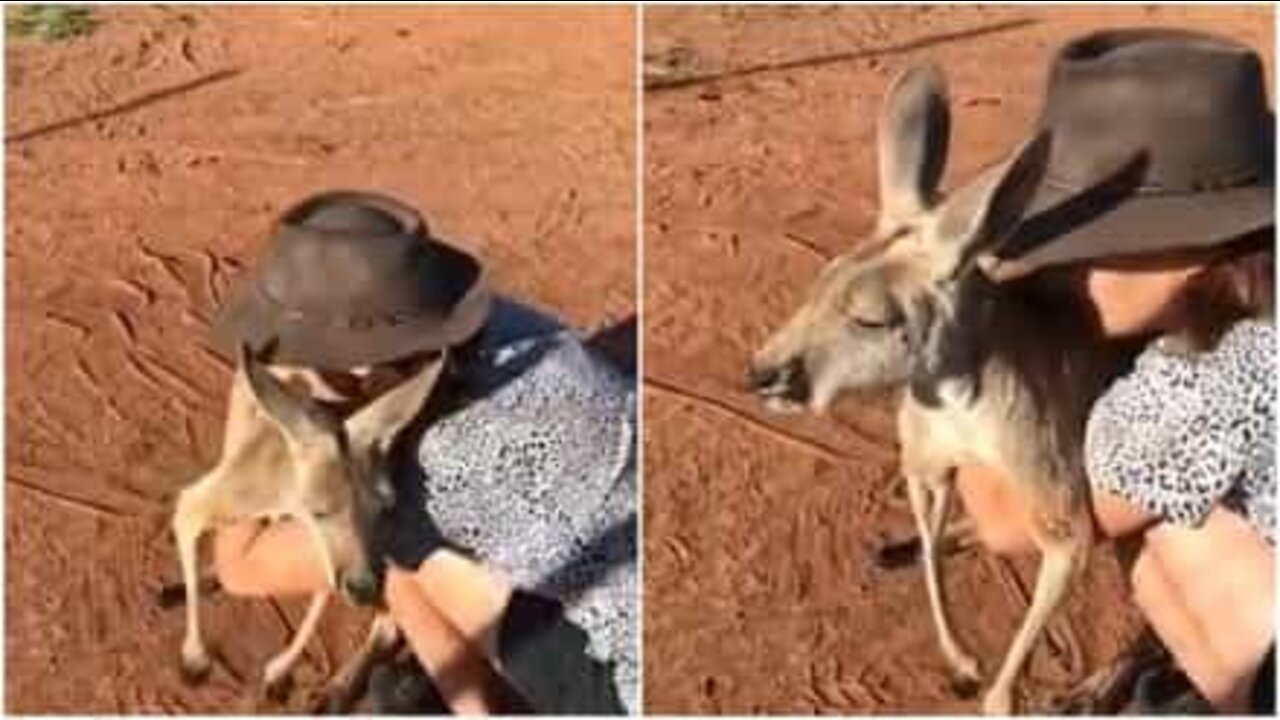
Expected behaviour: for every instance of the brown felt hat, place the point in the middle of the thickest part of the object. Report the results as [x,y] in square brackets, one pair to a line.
[354,278]
[1162,140]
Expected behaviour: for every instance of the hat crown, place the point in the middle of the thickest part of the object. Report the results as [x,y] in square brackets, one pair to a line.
[1192,106]
[351,218]
[352,259]
[350,279]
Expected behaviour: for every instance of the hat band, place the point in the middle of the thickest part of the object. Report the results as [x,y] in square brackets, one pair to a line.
[361,322]
[1242,178]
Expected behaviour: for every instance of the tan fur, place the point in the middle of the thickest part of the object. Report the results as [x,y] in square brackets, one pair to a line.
[997,378]
[278,463]
[1026,424]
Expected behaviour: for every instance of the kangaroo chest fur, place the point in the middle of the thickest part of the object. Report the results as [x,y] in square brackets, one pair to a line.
[1012,393]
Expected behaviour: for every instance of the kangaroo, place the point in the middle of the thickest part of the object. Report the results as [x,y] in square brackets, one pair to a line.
[284,455]
[990,375]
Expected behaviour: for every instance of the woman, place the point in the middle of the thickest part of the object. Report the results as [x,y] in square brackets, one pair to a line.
[520,495]
[1179,452]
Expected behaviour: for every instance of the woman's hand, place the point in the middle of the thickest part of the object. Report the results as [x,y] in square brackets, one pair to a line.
[464,676]
[472,595]
[1209,592]
[450,609]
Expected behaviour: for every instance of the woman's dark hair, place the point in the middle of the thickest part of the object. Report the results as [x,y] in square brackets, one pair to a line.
[1238,285]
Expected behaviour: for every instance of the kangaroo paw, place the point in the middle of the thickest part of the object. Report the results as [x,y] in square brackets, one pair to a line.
[898,555]
[965,688]
[195,669]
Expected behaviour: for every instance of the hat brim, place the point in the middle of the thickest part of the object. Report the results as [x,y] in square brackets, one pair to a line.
[1064,226]
[249,317]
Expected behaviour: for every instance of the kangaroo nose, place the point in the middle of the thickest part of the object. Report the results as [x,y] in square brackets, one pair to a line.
[361,588]
[760,378]
[788,380]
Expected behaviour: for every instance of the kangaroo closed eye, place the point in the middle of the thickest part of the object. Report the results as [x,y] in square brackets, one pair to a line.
[874,312]
[870,324]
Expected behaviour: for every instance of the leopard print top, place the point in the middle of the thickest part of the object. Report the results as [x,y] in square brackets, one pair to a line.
[537,477]
[1180,434]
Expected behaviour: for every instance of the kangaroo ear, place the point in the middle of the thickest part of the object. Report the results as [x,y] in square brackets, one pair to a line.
[985,212]
[913,131]
[378,423]
[300,419]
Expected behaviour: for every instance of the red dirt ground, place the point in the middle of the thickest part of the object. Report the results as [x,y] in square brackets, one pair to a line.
[145,164]
[760,590]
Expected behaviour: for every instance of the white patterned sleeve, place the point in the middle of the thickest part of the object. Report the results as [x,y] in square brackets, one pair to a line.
[1165,439]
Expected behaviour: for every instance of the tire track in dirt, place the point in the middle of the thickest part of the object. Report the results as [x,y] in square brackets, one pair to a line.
[670,83]
[65,321]
[176,378]
[213,359]
[207,275]
[119,496]
[152,380]
[135,289]
[126,327]
[60,427]
[212,271]
[167,263]
[94,385]
[808,246]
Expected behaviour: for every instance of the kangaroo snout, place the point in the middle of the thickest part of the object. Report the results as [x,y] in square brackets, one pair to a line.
[360,588]
[788,380]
